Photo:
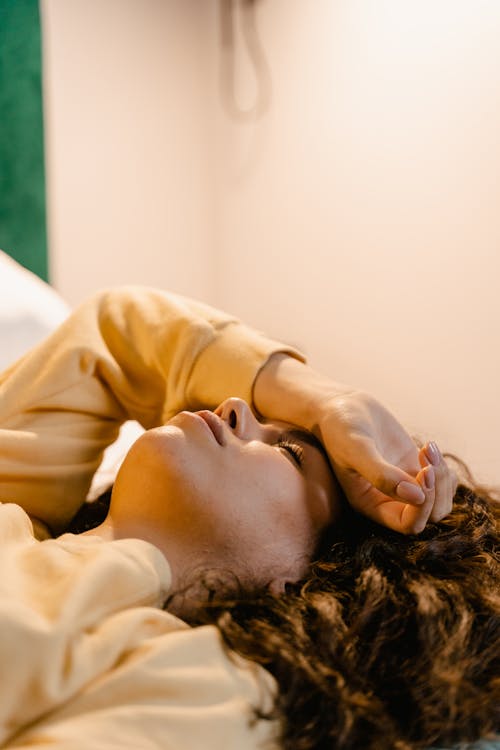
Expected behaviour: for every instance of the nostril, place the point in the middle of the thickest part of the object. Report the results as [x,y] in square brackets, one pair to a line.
[232,419]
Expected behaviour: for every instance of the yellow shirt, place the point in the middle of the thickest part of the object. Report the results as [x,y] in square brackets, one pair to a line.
[128,353]
[88,660]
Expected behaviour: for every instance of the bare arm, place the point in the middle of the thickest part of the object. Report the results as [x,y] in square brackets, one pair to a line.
[382,472]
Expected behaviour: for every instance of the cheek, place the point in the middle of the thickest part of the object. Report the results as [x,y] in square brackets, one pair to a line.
[291,520]
[274,532]
[259,477]
[277,494]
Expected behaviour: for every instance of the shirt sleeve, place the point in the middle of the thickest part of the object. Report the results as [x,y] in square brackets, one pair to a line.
[69,609]
[127,353]
[176,689]
[89,660]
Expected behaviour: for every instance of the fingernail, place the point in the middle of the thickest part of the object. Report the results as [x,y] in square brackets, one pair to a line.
[433,454]
[429,478]
[410,492]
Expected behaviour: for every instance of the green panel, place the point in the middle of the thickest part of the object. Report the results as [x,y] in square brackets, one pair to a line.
[22,176]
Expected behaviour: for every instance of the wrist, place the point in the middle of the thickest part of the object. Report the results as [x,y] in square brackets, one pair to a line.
[291,391]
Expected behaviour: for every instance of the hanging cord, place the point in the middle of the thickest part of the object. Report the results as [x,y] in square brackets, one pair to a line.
[255,53]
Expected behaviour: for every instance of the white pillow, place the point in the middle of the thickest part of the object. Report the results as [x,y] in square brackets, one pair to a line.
[29,310]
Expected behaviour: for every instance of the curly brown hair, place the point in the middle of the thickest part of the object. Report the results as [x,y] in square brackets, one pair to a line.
[391,642]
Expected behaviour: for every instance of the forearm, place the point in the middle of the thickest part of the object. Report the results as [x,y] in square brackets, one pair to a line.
[289,390]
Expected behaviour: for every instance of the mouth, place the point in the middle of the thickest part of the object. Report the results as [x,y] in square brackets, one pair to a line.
[214,423]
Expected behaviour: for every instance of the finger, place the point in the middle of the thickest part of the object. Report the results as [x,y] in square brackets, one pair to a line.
[403,517]
[422,457]
[414,519]
[389,479]
[429,475]
[445,482]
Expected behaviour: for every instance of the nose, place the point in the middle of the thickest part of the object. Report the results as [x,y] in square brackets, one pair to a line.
[237,414]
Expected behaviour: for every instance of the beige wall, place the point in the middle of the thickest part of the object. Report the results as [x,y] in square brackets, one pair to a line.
[128,167]
[358,218]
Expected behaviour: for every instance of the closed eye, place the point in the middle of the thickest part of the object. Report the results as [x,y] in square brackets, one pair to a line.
[296,451]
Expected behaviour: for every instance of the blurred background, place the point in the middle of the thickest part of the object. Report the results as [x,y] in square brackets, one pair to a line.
[328,171]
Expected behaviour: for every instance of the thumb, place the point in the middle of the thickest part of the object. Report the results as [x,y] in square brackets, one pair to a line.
[386,477]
